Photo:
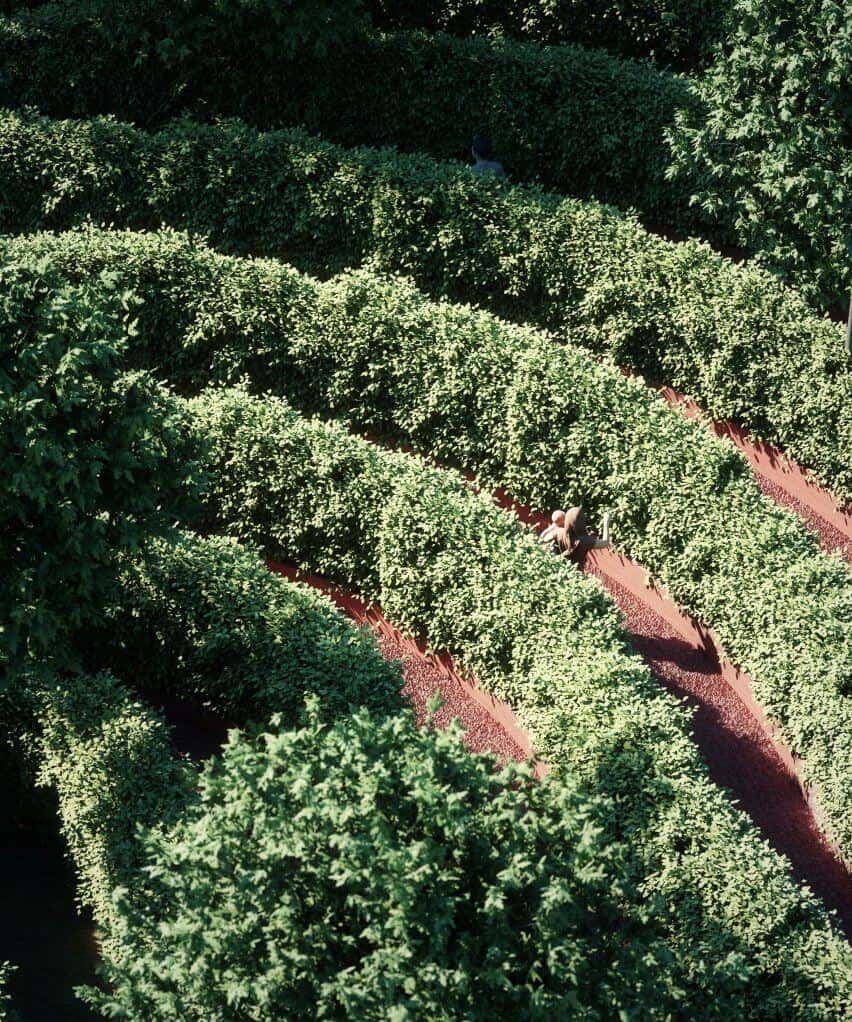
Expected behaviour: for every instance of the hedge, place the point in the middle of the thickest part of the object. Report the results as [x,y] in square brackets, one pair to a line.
[547,423]
[682,33]
[744,346]
[376,870]
[414,91]
[445,563]
[203,618]
[578,121]
[109,758]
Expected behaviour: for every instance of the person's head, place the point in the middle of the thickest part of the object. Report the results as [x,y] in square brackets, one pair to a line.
[558,518]
[481,147]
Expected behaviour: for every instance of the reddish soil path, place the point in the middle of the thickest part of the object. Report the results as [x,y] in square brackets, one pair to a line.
[490,725]
[735,739]
[780,478]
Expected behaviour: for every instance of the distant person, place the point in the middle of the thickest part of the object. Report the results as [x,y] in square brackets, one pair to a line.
[568,534]
[481,152]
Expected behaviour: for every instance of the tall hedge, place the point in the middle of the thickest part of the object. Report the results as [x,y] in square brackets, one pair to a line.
[445,562]
[204,618]
[578,120]
[744,346]
[90,456]
[772,154]
[682,33]
[110,761]
[547,423]
[375,870]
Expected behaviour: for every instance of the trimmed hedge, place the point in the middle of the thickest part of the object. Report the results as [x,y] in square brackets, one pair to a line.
[110,761]
[682,33]
[410,90]
[743,345]
[444,562]
[547,423]
[379,871]
[204,618]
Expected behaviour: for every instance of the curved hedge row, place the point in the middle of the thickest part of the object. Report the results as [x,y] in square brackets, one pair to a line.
[743,345]
[411,90]
[110,760]
[547,423]
[444,562]
[683,33]
[280,879]
[204,618]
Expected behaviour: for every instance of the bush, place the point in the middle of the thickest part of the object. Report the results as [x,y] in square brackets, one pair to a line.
[410,90]
[445,563]
[772,155]
[745,347]
[91,455]
[682,33]
[110,761]
[546,423]
[204,618]
[380,871]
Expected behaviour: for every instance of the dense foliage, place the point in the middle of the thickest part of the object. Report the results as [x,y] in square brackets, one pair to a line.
[92,459]
[682,33]
[379,871]
[110,761]
[204,618]
[410,90]
[743,345]
[773,152]
[547,423]
[445,563]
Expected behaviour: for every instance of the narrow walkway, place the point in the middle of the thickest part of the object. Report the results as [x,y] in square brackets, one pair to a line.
[740,753]
[490,725]
[781,479]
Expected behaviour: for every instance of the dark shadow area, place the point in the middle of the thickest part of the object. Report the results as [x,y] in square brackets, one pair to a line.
[742,759]
[196,731]
[41,932]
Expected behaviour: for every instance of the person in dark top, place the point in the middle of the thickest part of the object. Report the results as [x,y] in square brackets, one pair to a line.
[481,152]
[568,534]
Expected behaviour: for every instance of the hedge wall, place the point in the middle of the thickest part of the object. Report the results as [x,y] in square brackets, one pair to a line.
[377,870]
[548,423]
[444,562]
[682,33]
[414,91]
[109,758]
[744,346]
[203,618]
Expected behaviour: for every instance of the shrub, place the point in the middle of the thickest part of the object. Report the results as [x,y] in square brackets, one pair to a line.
[772,154]
[90,455]
[204,618]
[679,32]
[545,422]
[414,91]
[445,563]
[110,761]
[745,347]
[380,871]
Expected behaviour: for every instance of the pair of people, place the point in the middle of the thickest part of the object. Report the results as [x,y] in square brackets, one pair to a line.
[569,536]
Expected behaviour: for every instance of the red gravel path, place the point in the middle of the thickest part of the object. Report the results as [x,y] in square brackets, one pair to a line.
[830,538]
[739,755]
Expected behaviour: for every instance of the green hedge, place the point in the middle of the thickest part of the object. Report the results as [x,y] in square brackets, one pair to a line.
[444,562]
[682,33]
[110,760]
[203,618]
[547,423]
[376,870]
[413,91]
[744,346]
